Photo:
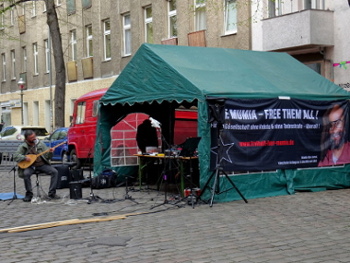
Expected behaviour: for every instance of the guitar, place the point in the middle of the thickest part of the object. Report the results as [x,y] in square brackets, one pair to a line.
[25,164]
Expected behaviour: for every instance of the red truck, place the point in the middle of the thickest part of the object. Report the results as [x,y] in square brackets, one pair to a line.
[82,132]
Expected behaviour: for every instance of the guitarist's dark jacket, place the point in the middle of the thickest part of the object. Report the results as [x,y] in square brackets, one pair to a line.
[23,149]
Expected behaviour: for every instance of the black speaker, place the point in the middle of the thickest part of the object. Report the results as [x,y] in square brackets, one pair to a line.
[63,175]
[75,190]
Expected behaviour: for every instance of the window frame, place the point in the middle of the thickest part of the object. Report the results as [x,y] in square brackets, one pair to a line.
[314,4]
[73,44]
[107,40]
[3,58]
[71,7]
[86,4]
[33,10]
[148,25]
[127,34]
[227,15]
[200,15]
[47,55]
[13,64]
[172,24]
[23,8]
[89,41]
[12,16]
[24,59]
[36,59]
[2,18]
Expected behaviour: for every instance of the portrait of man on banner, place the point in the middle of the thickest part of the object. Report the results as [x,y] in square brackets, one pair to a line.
[335,146]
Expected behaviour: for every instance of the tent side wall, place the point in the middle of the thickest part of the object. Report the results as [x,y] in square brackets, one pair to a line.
[102,159]
[283,182]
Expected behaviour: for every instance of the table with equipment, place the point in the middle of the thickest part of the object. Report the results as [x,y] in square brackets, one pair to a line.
[180,164]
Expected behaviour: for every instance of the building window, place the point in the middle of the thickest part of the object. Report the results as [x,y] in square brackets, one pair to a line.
[71,7]
[2,17]
[314,4]
[86,3]
[24,59]
[35,55]
[148,25]
[47,56]
[127,34]
[316,66]
[230,16]
[33,11]
[172,19]
[73,45]
[282,7]
[58,2]
[275,8]
[13,64]
[23,8]
[3,58]
[200,15]
[12,16]
[106,40]
[89,43]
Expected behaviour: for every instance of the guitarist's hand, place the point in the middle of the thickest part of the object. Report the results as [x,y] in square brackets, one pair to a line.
[27,159]
[52,149]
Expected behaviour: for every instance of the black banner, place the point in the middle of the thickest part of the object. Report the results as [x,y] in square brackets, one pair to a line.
[268,134]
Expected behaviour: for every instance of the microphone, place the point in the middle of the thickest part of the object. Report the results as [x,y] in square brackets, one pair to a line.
[36,141]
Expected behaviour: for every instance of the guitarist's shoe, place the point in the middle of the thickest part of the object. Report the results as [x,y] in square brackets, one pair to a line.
[28,197]
[54,197]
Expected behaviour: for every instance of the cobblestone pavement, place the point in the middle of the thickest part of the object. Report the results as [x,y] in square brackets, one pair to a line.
[305,227]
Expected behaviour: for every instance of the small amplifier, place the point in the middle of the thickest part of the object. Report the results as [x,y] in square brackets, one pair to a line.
[75,190]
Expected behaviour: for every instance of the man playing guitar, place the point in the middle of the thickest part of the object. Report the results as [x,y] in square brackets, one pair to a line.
[41,162]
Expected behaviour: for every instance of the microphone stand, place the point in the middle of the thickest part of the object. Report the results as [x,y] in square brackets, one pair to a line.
[92,197]
[164,176]
[14,184]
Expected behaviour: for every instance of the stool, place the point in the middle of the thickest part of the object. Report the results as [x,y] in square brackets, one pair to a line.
[37,183]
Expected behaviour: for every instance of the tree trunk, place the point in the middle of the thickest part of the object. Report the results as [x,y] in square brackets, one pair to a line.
[56,42]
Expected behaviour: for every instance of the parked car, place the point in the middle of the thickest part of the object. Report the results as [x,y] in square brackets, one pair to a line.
[17,132]
[57,137]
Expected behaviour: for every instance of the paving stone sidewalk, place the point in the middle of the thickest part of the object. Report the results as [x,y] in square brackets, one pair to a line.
[305,227]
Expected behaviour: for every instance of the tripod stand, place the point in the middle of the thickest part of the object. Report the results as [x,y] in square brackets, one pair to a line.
[127,196]
[164,177]
[218,171]
[92,197]
[14,184]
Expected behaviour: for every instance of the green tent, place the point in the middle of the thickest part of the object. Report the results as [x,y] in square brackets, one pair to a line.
[159,78]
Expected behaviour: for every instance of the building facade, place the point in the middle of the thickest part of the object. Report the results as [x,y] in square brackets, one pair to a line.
[99,38]
[313,31]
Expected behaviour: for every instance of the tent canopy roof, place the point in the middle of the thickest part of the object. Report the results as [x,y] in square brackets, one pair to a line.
[181,73]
